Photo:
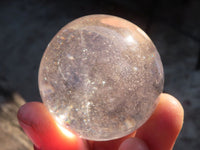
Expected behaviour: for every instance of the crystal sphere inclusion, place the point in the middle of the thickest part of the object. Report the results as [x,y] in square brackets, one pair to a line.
[100,76]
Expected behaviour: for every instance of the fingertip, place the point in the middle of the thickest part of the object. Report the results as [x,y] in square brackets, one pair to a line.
[174,108]
[163,127]
[171,114]
[29,112]
[27,122]
[133,144]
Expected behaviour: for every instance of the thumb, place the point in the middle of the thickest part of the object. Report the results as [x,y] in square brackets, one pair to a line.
[45,134]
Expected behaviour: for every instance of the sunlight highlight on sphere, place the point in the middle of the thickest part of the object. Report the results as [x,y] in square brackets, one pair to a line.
[100,76]
[66,132]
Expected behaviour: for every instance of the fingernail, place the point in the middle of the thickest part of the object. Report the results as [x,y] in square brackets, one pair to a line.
[32,135]
[35,148]
[133,144]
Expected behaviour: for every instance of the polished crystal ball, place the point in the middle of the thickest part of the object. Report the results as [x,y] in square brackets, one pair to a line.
[100,76]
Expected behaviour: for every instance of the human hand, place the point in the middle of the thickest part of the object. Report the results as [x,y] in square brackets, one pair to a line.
[158,133]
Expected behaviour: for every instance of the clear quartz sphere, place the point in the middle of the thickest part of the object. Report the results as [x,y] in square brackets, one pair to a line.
[100,76]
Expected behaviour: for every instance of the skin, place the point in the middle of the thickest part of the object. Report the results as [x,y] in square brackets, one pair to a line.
[159,132]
